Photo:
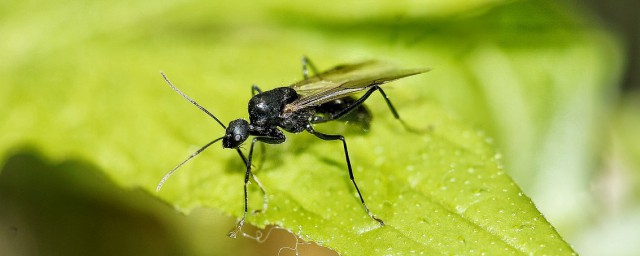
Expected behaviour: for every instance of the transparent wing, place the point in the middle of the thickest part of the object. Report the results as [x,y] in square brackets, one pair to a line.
[344,80]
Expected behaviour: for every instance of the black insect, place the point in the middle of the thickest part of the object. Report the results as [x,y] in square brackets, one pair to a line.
[320,98]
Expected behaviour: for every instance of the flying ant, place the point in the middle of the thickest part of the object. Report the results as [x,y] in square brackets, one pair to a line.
[316,99]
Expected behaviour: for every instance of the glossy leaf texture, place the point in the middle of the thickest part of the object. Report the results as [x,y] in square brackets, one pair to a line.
[440,192]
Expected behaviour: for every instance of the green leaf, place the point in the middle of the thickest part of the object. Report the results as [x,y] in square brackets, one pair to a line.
[439,192]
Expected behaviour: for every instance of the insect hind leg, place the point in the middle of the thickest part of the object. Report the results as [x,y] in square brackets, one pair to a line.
[329,111]
[324,136]
[360,101]
[352,107]
[395,113]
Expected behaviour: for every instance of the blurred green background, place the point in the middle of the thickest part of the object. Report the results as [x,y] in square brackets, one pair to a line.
[82,105]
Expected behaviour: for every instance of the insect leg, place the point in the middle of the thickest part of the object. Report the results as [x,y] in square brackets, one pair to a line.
[360,101]
[306,62]
[324,136]
[341,113]
[266,139]
[265,202]
[329,111]
[386,99]
[395,113]
[247,175]
[255,90]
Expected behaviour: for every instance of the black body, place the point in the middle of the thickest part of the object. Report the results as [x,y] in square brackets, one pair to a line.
[321,98]
[266,114]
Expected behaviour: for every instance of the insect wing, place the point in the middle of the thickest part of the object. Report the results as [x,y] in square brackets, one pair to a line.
[331,78]
[344,80]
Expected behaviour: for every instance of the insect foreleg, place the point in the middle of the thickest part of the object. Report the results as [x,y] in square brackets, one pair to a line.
[265,203]
[248,174]
[323,136]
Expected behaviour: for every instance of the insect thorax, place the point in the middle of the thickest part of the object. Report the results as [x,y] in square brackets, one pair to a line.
[265,108]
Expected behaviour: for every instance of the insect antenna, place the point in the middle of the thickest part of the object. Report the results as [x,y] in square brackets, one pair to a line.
[192,101]
[166,176]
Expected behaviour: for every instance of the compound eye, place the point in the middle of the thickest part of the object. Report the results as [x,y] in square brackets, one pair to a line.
[238,137]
